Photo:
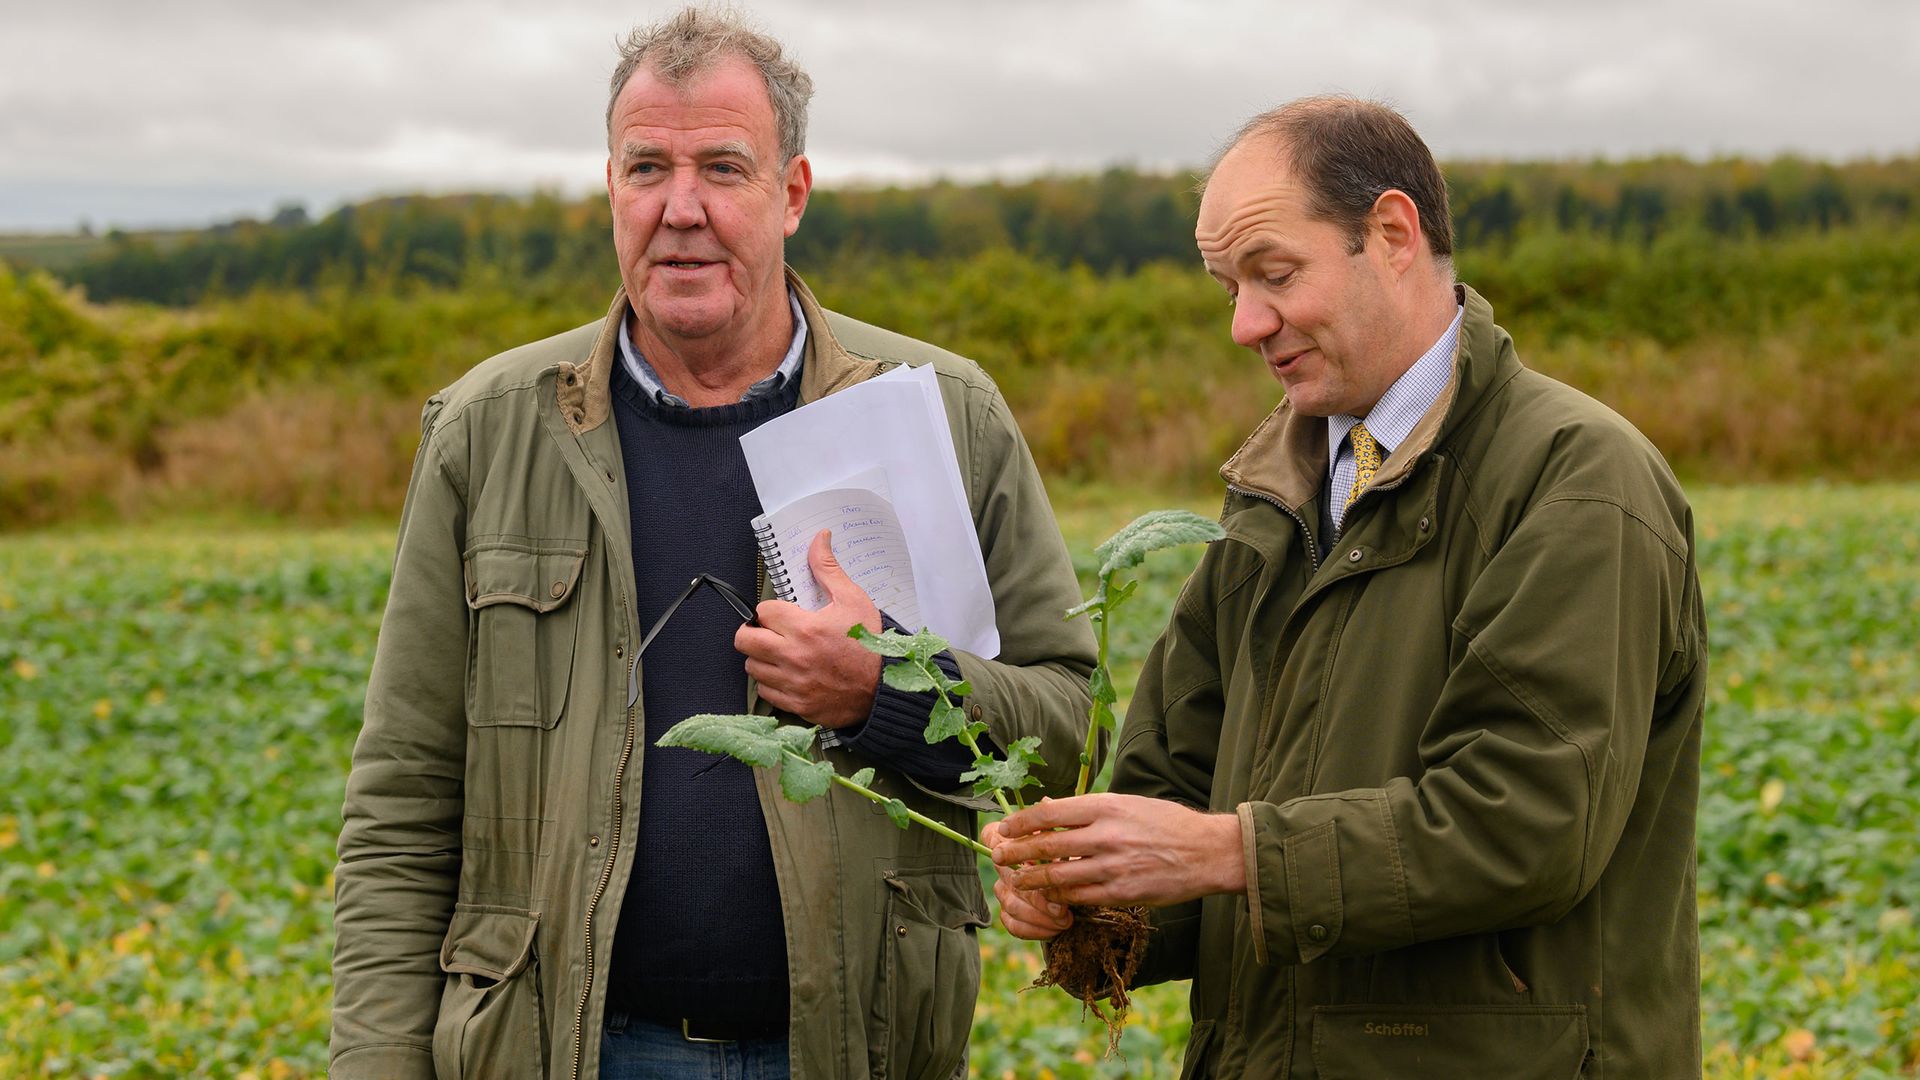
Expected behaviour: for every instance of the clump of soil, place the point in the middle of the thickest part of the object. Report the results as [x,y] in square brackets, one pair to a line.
[1096,959]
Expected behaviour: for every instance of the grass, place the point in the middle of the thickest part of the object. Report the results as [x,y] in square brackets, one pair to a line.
[177,706]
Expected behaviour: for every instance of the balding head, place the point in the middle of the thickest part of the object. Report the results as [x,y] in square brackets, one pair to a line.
[1346,153]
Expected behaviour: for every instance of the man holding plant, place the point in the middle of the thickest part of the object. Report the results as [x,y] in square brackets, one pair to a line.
[530,886]
[1411,776]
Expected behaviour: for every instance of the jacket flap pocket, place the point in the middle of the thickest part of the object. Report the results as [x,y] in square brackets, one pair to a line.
[494,942]
[949,898]
[539,575]
[1521,1042]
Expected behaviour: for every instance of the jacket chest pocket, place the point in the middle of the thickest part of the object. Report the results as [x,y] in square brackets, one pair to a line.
[521,638]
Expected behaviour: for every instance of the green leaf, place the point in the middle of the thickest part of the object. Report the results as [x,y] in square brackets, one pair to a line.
[751,739]
[908,678]
[802,780]
[1152,531]
[1101,686]
[795,738]
[959,689]
[1009,773]
[897,813]
[864,778]
[886,643]
[999,775]
[923,645]
[1102,716]
[945,722]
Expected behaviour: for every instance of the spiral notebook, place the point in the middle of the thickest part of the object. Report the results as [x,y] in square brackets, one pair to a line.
[868,542]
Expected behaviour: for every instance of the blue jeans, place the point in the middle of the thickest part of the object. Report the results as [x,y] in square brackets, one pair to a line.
[636,1050]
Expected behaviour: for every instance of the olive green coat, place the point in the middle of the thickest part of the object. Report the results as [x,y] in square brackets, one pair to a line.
[1464,748]
[496,782]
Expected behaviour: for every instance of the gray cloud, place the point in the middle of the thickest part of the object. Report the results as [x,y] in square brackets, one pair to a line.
[138,113]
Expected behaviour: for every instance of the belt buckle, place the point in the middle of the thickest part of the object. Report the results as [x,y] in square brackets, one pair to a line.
[686,1032]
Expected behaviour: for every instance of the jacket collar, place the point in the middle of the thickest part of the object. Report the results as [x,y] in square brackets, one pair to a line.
[584,390]
[1285,458]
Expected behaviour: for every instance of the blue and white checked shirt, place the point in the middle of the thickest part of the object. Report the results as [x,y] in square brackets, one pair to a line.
[1393,417]
[651,386]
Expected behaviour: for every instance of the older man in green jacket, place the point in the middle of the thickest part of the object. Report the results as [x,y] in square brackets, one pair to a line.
[528,886]
[1411,776]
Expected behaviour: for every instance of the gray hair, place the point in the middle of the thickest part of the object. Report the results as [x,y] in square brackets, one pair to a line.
[690,43]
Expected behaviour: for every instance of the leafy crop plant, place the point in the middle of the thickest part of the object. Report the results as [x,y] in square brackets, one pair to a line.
[1096,958]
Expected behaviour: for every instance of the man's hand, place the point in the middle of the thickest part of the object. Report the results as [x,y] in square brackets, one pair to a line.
[803,661]
[1026,915]
[1118,850]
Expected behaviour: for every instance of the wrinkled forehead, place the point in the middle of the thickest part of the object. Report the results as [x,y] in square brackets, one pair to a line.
[726,92]
[1250,195]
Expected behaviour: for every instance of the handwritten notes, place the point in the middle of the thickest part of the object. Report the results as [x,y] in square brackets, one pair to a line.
[867,541]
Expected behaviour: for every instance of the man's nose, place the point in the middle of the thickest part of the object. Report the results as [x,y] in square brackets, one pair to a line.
[684,209]
[1253,323]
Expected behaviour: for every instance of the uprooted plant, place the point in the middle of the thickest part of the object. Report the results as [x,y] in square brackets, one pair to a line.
[1096,958]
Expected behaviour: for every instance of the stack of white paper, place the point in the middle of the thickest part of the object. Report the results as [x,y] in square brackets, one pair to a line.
[894,423]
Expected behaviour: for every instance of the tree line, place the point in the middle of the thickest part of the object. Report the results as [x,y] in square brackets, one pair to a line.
[1115,221]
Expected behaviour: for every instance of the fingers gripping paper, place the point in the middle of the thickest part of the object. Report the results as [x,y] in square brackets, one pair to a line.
[896,427]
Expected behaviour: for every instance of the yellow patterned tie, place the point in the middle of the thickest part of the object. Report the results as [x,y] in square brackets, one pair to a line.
[1366,460]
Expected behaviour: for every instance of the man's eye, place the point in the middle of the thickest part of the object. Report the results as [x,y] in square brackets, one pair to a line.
[1274,281]
[641,168]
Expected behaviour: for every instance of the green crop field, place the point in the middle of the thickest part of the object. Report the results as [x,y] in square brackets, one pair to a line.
[177,706]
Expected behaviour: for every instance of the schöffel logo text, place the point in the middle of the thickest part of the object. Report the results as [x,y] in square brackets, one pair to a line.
[1394,1029]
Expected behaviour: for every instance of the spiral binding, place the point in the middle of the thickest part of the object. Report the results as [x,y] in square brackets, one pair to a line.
[777,574]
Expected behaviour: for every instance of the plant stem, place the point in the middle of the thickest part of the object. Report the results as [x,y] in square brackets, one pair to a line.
[1099,616]
[916,817]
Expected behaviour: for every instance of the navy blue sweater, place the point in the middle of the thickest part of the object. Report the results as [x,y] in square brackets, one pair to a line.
[700,934]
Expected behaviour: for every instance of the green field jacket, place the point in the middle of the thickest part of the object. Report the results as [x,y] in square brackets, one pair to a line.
[495,784]
[1463,745]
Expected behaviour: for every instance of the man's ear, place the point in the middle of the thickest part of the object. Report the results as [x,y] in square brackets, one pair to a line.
[1396,221]
[799,185]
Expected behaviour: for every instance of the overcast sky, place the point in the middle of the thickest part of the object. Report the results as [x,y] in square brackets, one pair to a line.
[145,113]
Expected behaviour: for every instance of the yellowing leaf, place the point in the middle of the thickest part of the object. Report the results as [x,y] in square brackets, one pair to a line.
[45,870]
[1799,1044]
[102,709]
[1771,793]
[25,669]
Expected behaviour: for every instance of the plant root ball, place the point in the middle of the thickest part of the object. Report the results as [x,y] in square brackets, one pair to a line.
[1096,959]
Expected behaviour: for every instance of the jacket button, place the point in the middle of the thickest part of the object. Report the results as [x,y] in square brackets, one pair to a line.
[1352,556]
[572,378]
[1425,524]
[1317,932]
[559,589]
[900,930]
[593,841]
[619,651]
[579,417]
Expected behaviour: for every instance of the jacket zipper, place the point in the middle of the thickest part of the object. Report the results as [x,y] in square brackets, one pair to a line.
[606,872]
[1306,534]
